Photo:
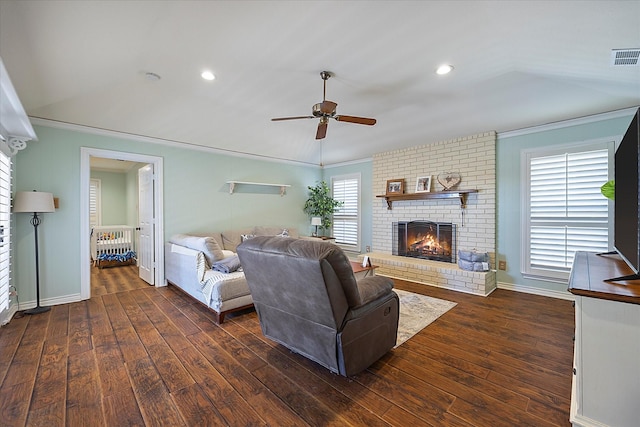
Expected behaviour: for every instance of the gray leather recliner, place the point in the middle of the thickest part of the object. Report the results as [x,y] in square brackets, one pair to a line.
[308,300]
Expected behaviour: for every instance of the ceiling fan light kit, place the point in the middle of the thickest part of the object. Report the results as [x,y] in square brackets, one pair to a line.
[326,110]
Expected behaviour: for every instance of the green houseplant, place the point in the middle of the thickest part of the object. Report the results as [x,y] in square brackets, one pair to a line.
[321,204]
[608,190]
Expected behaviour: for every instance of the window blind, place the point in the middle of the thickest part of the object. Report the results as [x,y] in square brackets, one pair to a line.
[346,217]
[5,234]
[95,218]
[567,211]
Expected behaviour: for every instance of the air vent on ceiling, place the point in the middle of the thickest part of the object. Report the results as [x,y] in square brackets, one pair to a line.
[625,57]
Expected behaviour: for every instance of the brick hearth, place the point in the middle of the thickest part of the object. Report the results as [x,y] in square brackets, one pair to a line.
[433,273]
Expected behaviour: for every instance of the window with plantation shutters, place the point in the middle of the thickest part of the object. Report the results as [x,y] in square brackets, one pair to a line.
[95,217]
[346,219]
[564,210]
[5,235]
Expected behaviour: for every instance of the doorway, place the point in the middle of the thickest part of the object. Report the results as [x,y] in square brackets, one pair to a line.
[156,226]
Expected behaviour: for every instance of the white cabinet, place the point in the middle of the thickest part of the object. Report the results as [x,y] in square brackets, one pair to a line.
[607,363]
[606,380]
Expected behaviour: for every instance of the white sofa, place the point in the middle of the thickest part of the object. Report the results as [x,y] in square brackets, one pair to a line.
[188,262]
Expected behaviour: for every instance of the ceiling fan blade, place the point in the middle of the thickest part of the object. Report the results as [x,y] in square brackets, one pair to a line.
[322,130]
[358,120]
[278,119]
[328,107]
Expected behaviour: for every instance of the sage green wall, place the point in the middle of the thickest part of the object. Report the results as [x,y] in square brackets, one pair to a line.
[132,195]
[509,188]
[365,169]
[113,197]
[196,199]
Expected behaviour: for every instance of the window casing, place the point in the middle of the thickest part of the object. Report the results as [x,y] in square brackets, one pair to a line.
[563,209]
[346,219]
[5,231]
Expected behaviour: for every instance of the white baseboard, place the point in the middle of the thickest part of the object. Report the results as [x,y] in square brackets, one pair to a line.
[8,314]
[577,420]
[65,299]
[566,295]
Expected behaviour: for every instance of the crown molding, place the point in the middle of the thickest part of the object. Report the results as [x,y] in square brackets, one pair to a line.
[568,123]
[159,141]
[348,163]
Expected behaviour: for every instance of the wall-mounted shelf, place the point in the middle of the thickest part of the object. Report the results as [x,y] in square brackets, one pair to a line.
[15,127]
[232,185]
[451,194]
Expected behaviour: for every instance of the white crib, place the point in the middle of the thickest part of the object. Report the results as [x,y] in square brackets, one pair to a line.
[112,242]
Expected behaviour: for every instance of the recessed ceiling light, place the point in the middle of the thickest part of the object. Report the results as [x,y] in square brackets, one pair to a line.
[207,75]
[444,69]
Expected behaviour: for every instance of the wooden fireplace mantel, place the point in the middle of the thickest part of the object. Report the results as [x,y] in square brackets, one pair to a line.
[450,194]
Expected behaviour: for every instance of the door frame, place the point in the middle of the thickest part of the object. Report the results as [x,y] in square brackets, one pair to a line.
[158,191]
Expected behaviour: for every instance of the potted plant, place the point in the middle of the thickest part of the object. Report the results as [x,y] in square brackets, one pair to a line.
[321,204]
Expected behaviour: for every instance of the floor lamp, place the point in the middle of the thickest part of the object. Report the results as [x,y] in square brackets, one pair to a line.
[34,202]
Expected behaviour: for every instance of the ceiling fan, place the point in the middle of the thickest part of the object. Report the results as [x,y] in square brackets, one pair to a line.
[326,110]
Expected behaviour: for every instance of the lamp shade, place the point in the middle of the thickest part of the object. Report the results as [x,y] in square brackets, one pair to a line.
[33,201]
[316,220]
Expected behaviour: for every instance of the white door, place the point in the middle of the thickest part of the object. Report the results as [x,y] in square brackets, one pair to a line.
[146,224]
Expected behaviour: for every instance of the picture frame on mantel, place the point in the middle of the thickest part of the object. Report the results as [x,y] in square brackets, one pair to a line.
[423,184]
[395,186]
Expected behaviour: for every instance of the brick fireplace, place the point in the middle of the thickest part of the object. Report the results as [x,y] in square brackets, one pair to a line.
[473,157]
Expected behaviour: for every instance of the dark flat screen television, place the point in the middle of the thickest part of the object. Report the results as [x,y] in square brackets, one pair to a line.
[627,199]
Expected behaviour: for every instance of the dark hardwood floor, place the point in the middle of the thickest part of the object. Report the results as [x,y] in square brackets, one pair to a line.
[136,355]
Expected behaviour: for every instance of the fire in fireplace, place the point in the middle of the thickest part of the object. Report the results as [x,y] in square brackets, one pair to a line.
[425,239]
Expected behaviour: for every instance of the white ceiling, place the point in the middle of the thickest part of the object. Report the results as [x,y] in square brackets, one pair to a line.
[517,64]
[110,165]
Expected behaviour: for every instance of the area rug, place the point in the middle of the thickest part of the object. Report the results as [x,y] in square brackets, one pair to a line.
[416,312]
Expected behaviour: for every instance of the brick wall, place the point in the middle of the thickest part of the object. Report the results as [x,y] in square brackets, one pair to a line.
[473,157]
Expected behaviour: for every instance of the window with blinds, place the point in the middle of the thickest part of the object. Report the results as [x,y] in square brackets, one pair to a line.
[346,219]
[95,217]
[565,211]
[5,235]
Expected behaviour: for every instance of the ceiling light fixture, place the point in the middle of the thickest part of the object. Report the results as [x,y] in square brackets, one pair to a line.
[444,69]
[207,75]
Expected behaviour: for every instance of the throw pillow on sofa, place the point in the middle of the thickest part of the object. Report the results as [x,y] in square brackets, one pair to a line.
[207,245]
[275,231]
[231,238]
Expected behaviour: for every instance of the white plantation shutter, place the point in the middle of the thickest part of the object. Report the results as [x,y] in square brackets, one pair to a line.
[565,211]
[346,219]
[95,217]
[5,235]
